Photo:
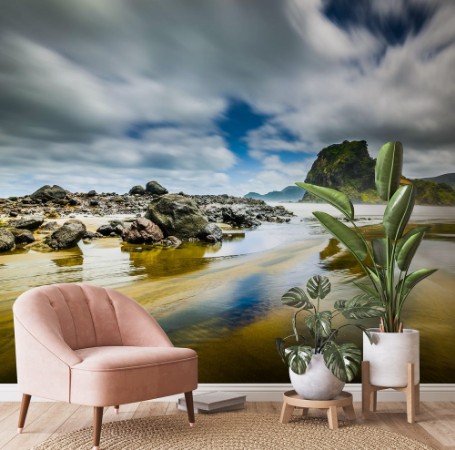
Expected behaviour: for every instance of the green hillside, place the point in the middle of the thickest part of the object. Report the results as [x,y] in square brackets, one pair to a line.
[349,168]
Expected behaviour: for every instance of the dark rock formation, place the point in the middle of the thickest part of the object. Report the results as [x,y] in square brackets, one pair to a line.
[90,235]
[113,228]
[347,167]
[142,231]
[91,193]
[177,215]
[238,216]
[28,223]
[211,233]
[155,188]
[137,190]
[7,241]
[66,236]
[22,236]
[240,212]
[48,227]
[48,193]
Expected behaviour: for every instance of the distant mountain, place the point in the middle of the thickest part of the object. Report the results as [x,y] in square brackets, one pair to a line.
[349,168]
[288,194]
[448,178]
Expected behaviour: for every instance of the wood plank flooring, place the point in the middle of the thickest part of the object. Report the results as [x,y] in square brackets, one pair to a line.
[435,423]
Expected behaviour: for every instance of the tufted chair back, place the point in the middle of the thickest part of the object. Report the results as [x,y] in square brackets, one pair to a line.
[85,316]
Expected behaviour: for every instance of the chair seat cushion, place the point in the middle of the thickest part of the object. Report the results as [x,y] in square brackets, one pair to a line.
[125,357]
[114,375]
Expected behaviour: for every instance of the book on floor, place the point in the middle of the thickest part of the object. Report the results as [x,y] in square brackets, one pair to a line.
[214,402]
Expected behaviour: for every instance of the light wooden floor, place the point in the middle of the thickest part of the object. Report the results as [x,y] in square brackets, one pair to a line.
[435,423]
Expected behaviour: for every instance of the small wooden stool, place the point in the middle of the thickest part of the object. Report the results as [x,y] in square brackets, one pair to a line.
[292,400]
[370,393]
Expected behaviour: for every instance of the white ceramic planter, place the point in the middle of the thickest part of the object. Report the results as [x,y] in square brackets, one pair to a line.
[317,383]
[389,357]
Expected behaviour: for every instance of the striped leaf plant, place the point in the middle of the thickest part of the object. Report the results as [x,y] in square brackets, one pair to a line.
[313,333]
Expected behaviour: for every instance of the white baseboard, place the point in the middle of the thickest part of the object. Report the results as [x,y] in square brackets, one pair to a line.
[274,392]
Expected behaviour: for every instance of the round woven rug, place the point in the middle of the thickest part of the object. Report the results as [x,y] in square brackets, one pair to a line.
[232,431]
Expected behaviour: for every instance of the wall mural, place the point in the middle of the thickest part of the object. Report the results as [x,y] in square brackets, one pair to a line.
[153,148]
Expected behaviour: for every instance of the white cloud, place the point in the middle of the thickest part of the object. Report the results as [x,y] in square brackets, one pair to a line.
[76,77]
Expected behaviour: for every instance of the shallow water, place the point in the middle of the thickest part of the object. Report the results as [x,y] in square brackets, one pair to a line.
[224,301]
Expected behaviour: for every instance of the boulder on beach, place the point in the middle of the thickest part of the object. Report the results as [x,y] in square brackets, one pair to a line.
[137,190]
[211,233]
[177,216]
[142,231]
[7,241]
[22,236]
[28,223]
[155,188]
[67,236]
[239,216]
[49,194]
[114,227]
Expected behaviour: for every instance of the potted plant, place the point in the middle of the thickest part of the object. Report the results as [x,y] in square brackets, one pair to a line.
[386,262]
[319,367]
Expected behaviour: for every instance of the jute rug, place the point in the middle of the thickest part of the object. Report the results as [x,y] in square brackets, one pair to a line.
[232,431]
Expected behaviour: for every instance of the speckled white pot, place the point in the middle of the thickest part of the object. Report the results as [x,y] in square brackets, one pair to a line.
[389,357]
[317,383]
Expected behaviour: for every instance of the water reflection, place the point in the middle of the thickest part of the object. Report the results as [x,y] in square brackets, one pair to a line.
[219,310]
[75,259]
[159,262]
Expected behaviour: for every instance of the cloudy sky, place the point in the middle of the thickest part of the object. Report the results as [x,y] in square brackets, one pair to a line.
[218,96]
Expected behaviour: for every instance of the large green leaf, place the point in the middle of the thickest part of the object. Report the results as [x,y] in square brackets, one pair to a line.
[344,234]
[318,287]
[412,279]
[297,298]
[407,247]
[388,169]
[368,290]
[380,251]
[398,211]
[320,323]
[298,357]
[343,360]
[362,306]
[336,198]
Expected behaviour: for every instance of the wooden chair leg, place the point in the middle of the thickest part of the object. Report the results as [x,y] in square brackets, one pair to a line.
[97,421]
[190,407]
[23,413]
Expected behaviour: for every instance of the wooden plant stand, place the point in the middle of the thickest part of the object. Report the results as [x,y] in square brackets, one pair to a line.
[370,393]
[292,400]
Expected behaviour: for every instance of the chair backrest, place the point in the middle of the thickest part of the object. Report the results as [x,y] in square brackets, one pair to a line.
[83,315]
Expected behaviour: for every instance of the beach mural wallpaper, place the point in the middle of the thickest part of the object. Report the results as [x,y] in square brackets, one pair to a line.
[153,147]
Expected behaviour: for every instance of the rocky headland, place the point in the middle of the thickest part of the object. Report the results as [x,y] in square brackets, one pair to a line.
[348,167]
[52,218]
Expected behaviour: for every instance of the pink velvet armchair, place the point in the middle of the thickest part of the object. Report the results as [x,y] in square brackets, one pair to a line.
[94,346]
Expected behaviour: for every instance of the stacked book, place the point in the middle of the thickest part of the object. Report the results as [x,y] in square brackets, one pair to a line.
[212,402]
